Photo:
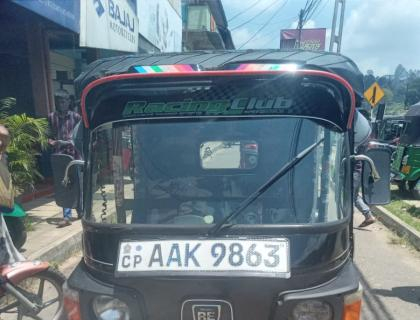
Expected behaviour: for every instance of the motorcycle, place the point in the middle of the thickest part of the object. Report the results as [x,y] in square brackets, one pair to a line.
[31,289]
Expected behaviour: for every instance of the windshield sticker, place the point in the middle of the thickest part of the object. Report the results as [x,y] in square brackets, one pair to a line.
[238,106]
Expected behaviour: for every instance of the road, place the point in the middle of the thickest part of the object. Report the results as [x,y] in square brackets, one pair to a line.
[390,274]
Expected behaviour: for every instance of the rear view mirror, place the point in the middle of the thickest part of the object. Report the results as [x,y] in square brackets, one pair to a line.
[67,193]
[238,154]
[377,191]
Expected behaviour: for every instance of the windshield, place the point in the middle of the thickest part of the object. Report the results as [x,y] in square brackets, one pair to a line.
[192,172]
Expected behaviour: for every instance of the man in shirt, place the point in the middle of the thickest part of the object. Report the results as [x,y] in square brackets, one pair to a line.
[61,125]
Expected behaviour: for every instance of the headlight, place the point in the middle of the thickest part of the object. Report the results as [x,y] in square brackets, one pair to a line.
[312,310]
[110,308]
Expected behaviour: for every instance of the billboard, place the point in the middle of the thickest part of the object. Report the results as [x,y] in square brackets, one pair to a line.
[109,24]
[160,23]
[310,39]
[63,12]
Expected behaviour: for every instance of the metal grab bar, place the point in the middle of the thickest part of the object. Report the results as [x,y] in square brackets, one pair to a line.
[362,157]
[72,163]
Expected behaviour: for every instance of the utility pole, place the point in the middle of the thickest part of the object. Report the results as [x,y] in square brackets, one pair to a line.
[300,27]
[336,36]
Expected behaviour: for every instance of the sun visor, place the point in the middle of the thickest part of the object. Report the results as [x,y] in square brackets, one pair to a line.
[219,94]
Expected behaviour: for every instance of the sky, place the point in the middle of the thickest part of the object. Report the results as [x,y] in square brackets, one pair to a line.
[378,34]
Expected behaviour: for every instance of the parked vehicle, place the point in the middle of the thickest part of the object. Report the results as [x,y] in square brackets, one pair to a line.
[31,289]
[406,162]
[187,237]
[391,129]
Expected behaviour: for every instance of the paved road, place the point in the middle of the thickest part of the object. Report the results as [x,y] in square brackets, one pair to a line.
[68,266]
[390,274]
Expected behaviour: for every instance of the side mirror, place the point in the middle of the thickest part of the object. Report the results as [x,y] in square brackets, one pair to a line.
[67,180]
[376,176]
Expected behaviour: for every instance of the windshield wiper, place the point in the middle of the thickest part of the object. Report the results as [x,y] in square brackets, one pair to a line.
[251,198]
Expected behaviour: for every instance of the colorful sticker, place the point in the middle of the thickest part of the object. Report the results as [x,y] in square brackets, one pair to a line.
[173,68]
[178,68]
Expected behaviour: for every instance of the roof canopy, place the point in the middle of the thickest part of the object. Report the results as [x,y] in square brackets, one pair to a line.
[414,110]
[216,60]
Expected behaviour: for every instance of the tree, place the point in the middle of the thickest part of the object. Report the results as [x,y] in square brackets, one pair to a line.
[28,137]
[399,83]
[413,92]
[368,80]
[388,97]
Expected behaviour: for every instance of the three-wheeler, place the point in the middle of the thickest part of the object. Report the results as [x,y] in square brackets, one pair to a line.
[218,186]
[406,162]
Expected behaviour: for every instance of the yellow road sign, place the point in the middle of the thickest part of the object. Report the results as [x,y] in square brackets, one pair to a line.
[374,94]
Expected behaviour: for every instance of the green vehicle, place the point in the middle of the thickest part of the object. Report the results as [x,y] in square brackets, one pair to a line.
[406,161]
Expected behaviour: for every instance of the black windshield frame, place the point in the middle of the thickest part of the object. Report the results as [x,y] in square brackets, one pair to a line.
[236,229]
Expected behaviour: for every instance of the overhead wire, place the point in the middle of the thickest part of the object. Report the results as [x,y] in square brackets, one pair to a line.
[310,7]
[256,16]
[313,5]
[265,24]
[316,5]
[322,9]
[243,11]
[276,31]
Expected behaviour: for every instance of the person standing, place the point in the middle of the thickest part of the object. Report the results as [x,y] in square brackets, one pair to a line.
[61,126]
[360,148]
[359,203]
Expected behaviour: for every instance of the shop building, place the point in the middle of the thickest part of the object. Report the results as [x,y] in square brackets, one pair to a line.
[40,42]
[41,49]
[205,26]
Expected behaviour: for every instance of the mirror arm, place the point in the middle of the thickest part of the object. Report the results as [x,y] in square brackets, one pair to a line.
[72,163]
[362,157]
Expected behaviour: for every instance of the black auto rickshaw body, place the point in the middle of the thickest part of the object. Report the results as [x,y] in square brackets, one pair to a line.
[406,160]
[217,186]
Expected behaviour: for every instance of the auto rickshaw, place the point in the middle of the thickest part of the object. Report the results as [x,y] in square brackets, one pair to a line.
[196,235]
[406,162]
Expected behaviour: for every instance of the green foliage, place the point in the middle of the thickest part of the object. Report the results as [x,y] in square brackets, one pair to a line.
[28,137]
[395,109]
[414,211]
[413,92]
[401,209]
[389,96]
[402,89]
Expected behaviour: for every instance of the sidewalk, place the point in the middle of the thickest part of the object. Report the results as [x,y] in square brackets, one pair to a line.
[393,222]
[45,241]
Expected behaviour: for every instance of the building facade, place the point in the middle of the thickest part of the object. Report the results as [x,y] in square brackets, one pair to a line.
[41,49]
[205,26]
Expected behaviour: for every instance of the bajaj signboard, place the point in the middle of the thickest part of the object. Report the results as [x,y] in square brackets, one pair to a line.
[109,24]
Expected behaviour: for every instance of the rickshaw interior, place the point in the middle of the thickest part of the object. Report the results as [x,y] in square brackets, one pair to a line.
[411,134]
[391,128]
